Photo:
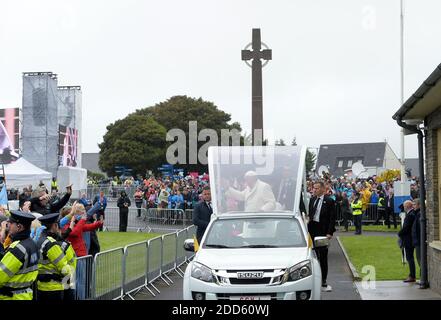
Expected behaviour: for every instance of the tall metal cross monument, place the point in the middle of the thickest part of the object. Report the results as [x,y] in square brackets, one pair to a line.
[257,55]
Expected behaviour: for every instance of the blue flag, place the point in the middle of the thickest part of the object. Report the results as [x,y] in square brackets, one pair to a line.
[3,196]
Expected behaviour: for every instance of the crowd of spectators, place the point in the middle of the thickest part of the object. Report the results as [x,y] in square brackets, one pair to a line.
[376,196]
[77,219]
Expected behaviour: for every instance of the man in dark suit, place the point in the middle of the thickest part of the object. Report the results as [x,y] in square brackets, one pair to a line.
[322,223]
[390,210]
[416,230]
[202,214]
[405,235]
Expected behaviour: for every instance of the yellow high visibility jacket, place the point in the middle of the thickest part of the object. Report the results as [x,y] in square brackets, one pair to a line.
[19,269]
[357,207]
[381,203]
[71,258]
[54,184]
[53,268]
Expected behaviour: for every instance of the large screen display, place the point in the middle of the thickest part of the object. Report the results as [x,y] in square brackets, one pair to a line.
[68,146]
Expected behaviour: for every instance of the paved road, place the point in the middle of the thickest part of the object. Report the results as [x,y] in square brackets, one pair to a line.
[339,278]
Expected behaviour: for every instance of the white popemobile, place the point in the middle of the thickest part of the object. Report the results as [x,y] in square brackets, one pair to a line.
[256,246]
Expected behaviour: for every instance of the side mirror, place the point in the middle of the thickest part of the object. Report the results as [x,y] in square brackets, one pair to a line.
[321,242]
[189,245]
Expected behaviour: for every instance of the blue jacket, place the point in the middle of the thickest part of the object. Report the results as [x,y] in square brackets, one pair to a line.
[85,202]
[104,204]
[374,198]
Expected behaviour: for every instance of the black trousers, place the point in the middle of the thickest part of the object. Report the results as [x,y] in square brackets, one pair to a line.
[138,205]
[123,219]
[69,295]
[346,215]
[50,295]
[358,222]
[410,260]
[381,214]
[94,243]
[99,214]
[322,255]
[322,252]
[394,218]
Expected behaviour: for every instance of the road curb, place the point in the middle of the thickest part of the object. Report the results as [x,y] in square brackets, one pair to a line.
[355,275]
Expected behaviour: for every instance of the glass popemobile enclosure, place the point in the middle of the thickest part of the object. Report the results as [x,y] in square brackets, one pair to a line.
[256,245]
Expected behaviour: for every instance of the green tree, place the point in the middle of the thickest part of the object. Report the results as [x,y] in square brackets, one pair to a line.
[137,141]
[178,111]
[310,160]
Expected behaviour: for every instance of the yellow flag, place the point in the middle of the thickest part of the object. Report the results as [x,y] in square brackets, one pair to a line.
[196,244]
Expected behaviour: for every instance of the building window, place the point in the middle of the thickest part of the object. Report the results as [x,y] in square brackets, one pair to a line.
[340,163]
[349,163]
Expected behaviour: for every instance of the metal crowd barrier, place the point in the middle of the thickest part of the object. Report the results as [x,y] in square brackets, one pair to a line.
[165,219]
[191,234]
[168,261]
[83,278]
[108,274]
[118,273]
[135,269]
[188,217]
[181,256]
[370,215]
[111,221]
[154,261]
[111,192]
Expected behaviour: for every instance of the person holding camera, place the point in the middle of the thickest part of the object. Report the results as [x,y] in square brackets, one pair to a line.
[123,205]
[41,201]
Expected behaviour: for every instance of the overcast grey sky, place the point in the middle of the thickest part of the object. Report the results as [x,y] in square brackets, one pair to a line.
[334,78]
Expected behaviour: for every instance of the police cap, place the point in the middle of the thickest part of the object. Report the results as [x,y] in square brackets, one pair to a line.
[49,219]
[21,217]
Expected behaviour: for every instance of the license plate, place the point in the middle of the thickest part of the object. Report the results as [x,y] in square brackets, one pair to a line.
[250,298]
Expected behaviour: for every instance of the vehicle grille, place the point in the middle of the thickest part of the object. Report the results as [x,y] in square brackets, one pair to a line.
[250,281]
[264,270]
[227,296]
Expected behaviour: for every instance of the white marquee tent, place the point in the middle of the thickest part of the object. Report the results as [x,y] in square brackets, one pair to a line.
[22,173]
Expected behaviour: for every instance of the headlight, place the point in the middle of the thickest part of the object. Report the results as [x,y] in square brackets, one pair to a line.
[297,272]
[201,272]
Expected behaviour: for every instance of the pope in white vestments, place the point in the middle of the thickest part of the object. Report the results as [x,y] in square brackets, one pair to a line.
[258,195]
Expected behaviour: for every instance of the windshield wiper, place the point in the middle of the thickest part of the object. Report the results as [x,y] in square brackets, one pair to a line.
[258,246]
[216,246]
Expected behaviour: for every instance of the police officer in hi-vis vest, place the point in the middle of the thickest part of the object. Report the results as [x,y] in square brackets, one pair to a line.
[53,267]
[357,212]
[19,264]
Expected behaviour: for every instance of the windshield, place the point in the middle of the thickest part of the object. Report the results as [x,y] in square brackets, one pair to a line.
[256,179]
[255,233]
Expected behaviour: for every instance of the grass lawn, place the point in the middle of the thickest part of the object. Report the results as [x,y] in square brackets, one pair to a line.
[112,239]
[381,252]
[379,228]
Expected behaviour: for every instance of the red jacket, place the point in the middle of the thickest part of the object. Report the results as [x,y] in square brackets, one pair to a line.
[76,235]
